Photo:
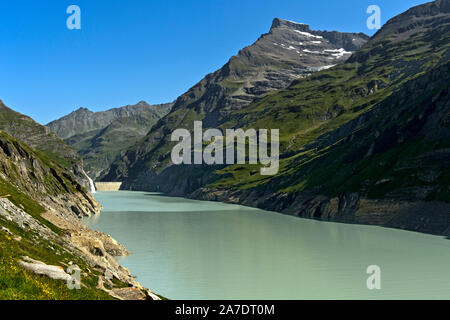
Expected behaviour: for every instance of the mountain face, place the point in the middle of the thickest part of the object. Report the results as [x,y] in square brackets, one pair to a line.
[366,141]
[39,137]
[41,203]
[288,52]
[100,137]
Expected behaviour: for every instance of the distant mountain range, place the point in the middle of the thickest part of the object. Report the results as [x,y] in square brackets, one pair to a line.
[365,141]
[41,204]
[100,137]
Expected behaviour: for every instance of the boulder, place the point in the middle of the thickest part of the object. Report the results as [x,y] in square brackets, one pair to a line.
[38,267]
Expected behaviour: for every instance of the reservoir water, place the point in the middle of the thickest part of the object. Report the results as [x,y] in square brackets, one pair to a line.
[187,249]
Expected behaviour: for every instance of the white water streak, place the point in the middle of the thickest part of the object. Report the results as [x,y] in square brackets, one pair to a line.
[91,183]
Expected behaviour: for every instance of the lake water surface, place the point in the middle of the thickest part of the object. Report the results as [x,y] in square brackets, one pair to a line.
[187,249]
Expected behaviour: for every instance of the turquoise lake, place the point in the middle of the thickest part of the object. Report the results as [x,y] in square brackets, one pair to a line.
[187,249]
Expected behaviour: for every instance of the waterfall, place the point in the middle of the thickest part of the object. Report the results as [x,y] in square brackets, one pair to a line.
[91,183]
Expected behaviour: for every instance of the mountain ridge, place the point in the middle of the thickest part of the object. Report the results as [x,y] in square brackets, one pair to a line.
[41,138]
[311,113]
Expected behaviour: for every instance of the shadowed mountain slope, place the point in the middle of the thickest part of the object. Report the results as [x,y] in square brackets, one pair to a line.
[365,141]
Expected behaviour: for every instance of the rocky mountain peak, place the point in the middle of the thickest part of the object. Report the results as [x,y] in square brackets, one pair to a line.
[142,103]
[278,23]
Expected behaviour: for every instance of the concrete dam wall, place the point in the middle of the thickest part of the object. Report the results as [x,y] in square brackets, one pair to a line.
[107,186]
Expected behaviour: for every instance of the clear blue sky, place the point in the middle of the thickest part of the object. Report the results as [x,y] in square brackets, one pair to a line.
[135,50]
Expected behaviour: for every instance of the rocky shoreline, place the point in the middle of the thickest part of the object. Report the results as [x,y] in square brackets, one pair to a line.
[96,249]
[347,208]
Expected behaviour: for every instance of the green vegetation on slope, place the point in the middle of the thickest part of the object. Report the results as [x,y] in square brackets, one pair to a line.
[37,136]
[263,67]
[313,110]
[28,177]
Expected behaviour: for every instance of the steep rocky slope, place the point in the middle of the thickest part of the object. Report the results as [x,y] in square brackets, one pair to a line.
[365,141]
[100,137]
[289,51]
[40,206]
[41,138]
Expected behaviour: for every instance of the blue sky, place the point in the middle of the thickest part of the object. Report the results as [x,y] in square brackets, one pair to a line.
[127,51]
